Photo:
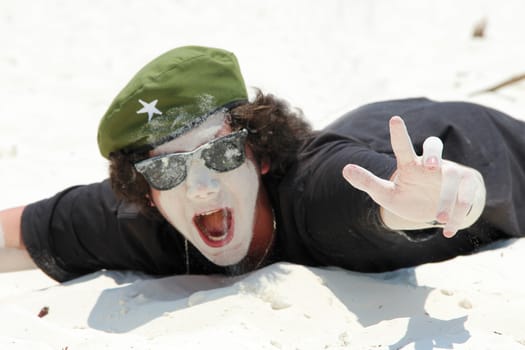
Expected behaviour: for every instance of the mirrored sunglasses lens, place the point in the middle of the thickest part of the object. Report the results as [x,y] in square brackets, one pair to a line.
[226,154]
[165,173]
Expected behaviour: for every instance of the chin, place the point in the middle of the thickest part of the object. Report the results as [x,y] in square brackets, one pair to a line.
[229,256]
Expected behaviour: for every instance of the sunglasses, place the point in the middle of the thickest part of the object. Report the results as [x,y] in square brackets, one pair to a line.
[222,154]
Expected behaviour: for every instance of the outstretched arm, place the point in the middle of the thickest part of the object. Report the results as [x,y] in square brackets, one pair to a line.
[13,255]
[424,191]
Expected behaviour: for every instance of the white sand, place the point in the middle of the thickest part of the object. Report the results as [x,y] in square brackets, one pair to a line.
[63,61]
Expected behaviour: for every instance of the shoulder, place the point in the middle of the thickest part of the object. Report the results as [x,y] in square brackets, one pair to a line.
[419,107]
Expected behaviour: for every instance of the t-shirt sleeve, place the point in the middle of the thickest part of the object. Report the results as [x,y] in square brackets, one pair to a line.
[86,228]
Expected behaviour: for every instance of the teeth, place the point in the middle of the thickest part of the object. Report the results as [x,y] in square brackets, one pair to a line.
[211,212]
[213,238]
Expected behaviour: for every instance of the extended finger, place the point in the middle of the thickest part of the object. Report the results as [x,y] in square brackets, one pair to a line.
[401,142]
[362,179]
[432,153]
[465,200]
[449,189]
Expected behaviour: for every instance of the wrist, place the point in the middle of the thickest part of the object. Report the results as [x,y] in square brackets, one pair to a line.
[396,222]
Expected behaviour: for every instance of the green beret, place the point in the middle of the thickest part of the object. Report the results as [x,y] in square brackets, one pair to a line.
[169,96]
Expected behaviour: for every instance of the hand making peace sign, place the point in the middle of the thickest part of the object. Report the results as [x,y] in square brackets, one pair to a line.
[424,191]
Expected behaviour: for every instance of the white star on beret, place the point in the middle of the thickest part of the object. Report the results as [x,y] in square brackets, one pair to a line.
[149,108]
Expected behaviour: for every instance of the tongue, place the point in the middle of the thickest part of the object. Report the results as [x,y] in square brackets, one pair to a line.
[215,224]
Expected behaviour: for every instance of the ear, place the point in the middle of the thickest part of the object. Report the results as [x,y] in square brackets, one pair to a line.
[151,202]
[265,165]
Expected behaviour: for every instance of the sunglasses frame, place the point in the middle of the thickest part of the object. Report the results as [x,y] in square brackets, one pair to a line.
[144,165]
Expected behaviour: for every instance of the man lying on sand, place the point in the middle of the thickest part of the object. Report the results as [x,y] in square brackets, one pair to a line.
[204,180]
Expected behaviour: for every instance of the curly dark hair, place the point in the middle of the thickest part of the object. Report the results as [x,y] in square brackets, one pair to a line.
[275,133]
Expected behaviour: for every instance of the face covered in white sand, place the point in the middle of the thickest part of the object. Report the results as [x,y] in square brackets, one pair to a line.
[214,210]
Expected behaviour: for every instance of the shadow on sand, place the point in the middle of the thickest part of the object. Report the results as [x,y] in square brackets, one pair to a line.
[372,298]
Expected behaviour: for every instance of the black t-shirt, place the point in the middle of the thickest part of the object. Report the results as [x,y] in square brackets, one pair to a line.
[321,219]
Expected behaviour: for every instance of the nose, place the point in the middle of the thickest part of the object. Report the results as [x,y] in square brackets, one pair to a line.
[201,182]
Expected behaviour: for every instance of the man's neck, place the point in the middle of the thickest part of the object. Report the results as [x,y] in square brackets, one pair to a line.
[263,229]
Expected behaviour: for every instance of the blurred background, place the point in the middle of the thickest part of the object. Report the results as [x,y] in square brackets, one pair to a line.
[62,63]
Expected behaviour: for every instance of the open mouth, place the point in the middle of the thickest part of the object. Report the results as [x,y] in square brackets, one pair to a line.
[215,226]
